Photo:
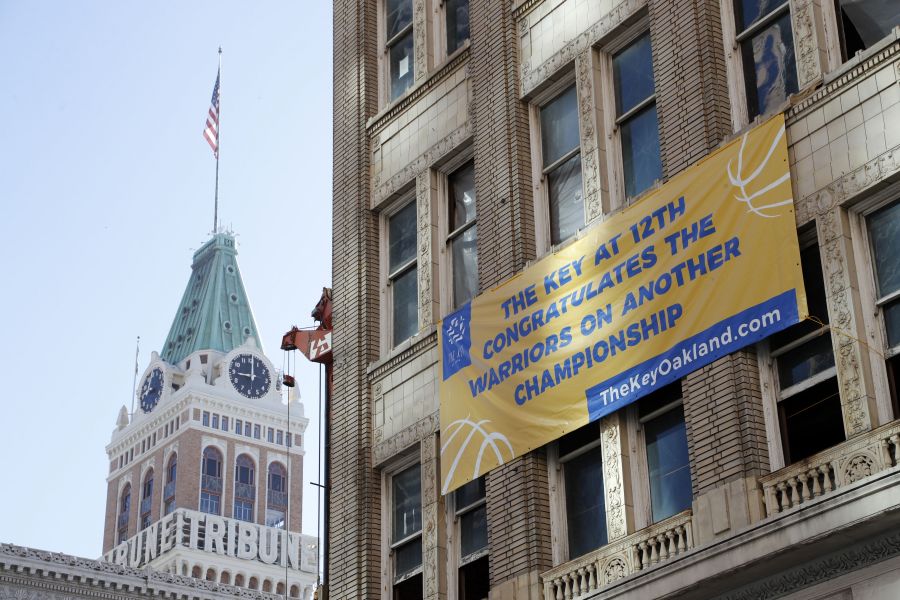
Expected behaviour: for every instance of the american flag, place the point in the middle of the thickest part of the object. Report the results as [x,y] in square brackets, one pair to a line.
[211,133]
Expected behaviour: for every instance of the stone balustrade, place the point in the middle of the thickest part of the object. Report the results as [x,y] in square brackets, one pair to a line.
[832,469]
[641,550]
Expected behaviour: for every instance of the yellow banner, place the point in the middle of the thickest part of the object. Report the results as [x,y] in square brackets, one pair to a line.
[699,268]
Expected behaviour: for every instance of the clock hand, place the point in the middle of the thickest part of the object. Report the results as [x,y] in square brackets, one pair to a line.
[252,369]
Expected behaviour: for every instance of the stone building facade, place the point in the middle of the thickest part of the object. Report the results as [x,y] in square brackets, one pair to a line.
[473,138]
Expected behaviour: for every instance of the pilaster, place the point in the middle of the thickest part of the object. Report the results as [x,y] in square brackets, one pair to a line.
[617,488]
[434,537]
[593,157]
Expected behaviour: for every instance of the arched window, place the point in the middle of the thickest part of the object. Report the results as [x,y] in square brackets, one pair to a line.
[244,488]
[124,513]
[276,497]
[171,477]
[147,499]
[211,482]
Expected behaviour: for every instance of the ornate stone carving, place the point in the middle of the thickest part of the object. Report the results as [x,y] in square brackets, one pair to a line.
[806,42]
[611,450]
[420,40]
[615,569]
[423,215]
[590,167]
[857,467]
[413,434]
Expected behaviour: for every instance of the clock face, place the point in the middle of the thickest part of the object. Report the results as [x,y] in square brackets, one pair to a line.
[249,376]
[152,389]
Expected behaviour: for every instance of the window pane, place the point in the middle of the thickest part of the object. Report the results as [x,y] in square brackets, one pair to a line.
[566,204]
[407,488]
[402,236]
[813,281]
[407,558]
[633,75]
[585,512]
[406,309]
[892,323]
[803,362]
[749,12]
[401,58]
[473,531]
[559,126]
[884,231]
[461,186]
[399,15]
[274,518]
[813,420]
[465,266]
[457,23]
[667,458]
[769,67]
[470,493]
[869,20]
[640,151]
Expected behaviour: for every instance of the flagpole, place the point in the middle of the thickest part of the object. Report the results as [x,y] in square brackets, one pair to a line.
[218,148]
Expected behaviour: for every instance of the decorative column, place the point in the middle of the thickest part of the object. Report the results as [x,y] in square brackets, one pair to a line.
[434,536]
[619,504]
[426,233]
[421,49]
[844,308]
[809,41]
[593,157]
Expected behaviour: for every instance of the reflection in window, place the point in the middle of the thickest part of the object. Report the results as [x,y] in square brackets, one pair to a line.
[277,497]
[582,466]
[457,17]
[471,522]
[463,235]
[767,52]
[561,150]
[636,115]
[406,525]
[809,405]
[147,499]
[862,23]
[665,435]
[402,273]
[211,481]
[884,237]
[399,47]
[169,489]
[244,488]
[124,513]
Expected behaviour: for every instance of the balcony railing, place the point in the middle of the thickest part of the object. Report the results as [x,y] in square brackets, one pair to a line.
[277,498]
[245,490]
[832,469]
[169,490]
[145,505]
[641,550]
[210,483]
[122,521]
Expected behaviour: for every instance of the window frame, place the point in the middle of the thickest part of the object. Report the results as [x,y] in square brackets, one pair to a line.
[389,345]
[385,44]
[612,121]
[388,545]
[223,457]
[168,478]
[446,266]
[540,172]
[441,45]
[254,478]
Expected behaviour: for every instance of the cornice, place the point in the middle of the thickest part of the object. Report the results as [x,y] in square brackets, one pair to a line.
[526,7]
[453,63]
[420,345]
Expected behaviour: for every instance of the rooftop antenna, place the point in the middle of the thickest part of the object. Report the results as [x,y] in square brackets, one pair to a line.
[137,352]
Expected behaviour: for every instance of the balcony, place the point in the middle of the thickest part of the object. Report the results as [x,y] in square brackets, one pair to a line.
[639,551]
[278,498]
[146,503]
[122,521]
[245,490]
[837,467]
[211,484]
[169,490]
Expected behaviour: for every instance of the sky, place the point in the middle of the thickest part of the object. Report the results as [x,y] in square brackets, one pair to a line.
[106,190]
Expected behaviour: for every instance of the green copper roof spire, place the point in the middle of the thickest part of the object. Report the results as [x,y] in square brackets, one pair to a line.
[214,313]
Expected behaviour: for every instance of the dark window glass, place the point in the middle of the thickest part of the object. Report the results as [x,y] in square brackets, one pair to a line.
[463,233]
[172,473]
[472,514]
[559,126]
[811,266]
[812,420]
[884,231]
[408,557]
[865,22]
[406,308]
[566,201]
[748,12]
[215,421]
[409,589]
[224,423]
[205,419]
[402,237]
[770,69]
[667,460]
[633,75]
[407,490]
[585,511]
[243,472]
[474,580]
[212,462]
[243,510]
[401,65]
[805,361]
[457,13]
[640,151]
[470,493]
[399,16]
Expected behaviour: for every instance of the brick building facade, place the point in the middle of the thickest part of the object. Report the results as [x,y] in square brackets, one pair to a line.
[473,138]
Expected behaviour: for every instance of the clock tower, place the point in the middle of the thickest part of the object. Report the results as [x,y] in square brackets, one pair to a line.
[205,478]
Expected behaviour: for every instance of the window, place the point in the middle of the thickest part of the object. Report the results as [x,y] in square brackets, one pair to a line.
[224,423]
[205,419]
[456,15]
[883,227]
[238,426]
[636,121]
[215,421]
[470,513]
[279,439]
[270,435]
[406,533]
[399,46]
[211,481]
[147,499]
[462,238]
[661,415]
[256,432]
[803,368]
[124,513]
[561,165]
[277,497]
[861,23]
[244,488]
[581,469]
[767,53]
[169,490]
[402,273]
[247,428]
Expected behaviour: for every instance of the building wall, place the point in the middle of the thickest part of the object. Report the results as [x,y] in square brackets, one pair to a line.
[843,132]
